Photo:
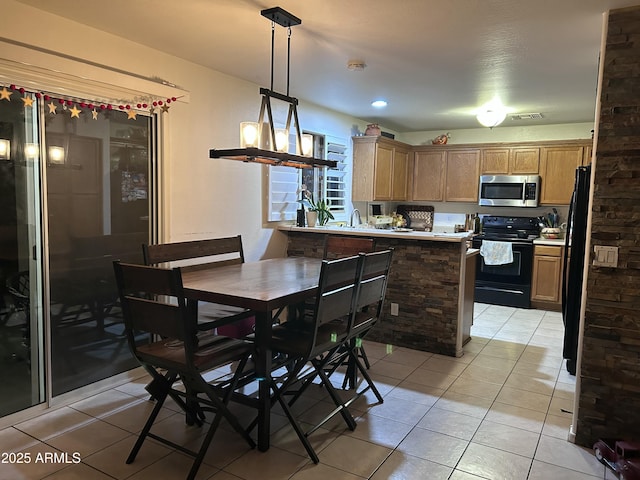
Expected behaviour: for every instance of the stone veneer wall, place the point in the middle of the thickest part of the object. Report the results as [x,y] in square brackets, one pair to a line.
[609,404]
[424,281]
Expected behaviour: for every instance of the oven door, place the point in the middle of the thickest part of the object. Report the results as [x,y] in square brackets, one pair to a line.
[508,284]
[517,272]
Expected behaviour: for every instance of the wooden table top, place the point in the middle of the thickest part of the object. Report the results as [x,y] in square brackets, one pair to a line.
[262,286]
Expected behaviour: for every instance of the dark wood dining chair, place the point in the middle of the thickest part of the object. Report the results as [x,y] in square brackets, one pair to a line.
[338,246]
[316,342]
[208,253]
[372,286]
[153,302]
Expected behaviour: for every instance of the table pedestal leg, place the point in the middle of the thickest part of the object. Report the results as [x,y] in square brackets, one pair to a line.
[263,372]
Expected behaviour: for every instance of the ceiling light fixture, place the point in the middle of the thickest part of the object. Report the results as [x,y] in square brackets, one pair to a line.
[271,147]
[379,103]
[492,113]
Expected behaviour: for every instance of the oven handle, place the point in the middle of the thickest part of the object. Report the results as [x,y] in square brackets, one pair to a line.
[522,244]
[515,244]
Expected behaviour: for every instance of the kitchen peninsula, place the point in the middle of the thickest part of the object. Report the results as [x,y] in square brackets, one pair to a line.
[431,280]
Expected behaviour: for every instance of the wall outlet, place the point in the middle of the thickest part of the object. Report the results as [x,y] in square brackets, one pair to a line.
[395,309]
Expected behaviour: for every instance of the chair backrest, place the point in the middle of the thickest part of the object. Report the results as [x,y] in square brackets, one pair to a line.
[153,302]
[372,287]
[223,251]
[335,295]
[338,246]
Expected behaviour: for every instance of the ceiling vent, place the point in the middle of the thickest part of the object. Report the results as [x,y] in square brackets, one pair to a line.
[526,116]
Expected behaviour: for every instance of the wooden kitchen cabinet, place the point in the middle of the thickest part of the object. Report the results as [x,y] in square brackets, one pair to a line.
[557,170]
[461,175]
[524,161]
[546,282]
[510,161]
[380,169]
[443,174]
[428,175]
[494,161]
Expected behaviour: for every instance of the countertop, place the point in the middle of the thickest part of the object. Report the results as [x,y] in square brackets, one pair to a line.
[556,242]
[377,232]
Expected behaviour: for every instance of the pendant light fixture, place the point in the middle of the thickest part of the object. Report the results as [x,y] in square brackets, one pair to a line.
[263,143]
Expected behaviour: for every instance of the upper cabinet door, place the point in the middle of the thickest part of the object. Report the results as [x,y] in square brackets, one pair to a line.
[495,161]
[557,169]
[461,177]
[399,180]
[382,173]
[428,175]
[524,160]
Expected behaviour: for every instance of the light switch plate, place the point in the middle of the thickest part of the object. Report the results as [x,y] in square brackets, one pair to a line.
[605,256]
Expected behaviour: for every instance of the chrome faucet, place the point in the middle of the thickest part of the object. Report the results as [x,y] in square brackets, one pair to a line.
[355,211]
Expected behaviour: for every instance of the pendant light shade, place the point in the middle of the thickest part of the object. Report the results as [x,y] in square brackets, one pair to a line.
[249,134]
[5,149]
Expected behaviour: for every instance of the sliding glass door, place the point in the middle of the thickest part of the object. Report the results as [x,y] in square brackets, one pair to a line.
[21,313]
[75,195]
[98,206]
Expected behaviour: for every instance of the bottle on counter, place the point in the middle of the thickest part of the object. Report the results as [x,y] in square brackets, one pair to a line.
[300,218]
[476,224]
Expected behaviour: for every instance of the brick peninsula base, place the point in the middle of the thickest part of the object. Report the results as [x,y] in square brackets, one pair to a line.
[426,281]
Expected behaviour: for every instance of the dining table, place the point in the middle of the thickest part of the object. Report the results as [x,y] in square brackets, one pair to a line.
[264,286]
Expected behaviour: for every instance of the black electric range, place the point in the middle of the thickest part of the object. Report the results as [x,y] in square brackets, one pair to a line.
[510,283]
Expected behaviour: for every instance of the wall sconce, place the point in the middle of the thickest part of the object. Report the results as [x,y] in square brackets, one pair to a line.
[249,134]
[5,149]
[31,150]
[56,155]
[306,149]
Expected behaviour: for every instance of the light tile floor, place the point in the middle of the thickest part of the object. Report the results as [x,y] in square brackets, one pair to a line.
[502,411]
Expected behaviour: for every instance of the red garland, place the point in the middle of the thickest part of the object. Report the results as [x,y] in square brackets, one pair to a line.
[90,106]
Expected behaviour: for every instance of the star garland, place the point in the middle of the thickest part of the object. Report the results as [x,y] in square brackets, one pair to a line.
[76,108]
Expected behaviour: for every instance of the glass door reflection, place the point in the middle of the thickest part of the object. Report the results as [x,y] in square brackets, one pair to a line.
[98,211]
[21,314]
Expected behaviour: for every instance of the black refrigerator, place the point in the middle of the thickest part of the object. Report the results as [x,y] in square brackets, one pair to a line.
[573,265]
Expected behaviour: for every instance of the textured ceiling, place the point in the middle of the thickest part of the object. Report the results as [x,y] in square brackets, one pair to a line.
[434,61]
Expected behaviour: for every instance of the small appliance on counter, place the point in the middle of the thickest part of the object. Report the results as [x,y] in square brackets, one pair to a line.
[380,221]
[376,219]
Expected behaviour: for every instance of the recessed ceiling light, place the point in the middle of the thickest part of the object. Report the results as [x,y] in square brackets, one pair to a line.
[379,103]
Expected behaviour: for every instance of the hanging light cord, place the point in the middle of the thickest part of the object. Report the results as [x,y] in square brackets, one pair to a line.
[288,56]
[273,36]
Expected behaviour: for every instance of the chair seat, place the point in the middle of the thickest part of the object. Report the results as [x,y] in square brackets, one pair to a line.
[171,354]
[294,339]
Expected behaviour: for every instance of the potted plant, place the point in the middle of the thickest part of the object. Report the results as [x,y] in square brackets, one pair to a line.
[320,208]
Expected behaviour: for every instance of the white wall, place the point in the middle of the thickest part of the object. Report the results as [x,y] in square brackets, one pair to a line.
[503,133]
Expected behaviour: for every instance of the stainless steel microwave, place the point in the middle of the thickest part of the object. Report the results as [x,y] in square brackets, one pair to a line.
[509,190]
